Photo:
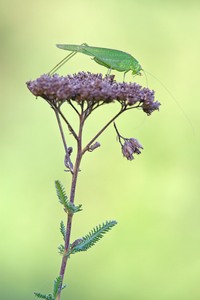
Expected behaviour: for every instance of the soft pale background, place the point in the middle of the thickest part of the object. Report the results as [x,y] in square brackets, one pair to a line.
[154,252]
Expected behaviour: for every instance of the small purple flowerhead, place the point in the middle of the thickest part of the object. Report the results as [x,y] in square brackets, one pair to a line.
[130,147]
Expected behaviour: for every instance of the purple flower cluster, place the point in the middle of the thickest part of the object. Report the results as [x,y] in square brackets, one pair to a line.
[130,147]
[92,88]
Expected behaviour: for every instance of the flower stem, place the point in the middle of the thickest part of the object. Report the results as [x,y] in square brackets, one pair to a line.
[72,198]
[123,109]
[102,130]
[68,124]
[61,130]
[67,154]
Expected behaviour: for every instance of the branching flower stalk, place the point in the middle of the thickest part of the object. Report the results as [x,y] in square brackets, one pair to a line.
[84,93]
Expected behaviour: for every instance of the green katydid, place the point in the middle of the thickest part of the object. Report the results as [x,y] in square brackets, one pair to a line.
[109,58]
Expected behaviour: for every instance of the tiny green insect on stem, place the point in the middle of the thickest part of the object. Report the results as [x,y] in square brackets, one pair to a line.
[109,58]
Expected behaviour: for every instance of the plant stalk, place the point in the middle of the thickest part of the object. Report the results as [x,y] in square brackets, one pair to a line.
[72,198]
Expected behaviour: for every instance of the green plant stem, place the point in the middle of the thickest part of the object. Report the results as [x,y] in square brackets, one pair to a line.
[72,198]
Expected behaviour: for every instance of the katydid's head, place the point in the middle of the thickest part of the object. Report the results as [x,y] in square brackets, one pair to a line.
[136,69]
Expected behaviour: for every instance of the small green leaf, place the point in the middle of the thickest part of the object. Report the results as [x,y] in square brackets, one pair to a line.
[40,296]
[92,237]
[62,230]
[56,289]
[56,286]
[61,249]
[77,208]
[60,191]
[68,207]
[43,296]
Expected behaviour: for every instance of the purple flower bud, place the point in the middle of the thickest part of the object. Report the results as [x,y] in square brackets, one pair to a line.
[130,147]
[149,107]
[94,146]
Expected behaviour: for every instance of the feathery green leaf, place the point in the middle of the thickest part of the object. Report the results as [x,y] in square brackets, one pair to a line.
[60,191]
[68,207]
[61,249]
[76,208]
[56,286]
[92,237]
[43,296]
[62,230]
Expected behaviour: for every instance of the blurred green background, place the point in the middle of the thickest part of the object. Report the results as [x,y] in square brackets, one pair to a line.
[154,251]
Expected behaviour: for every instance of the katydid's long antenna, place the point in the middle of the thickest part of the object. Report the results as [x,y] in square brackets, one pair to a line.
[62,62]
[175,100]
[145,75]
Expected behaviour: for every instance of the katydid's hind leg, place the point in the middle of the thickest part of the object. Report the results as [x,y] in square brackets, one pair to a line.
[61,63]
